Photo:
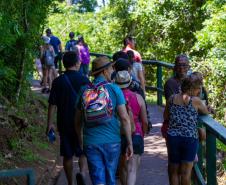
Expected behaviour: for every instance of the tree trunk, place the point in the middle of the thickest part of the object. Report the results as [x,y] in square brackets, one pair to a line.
[20,73]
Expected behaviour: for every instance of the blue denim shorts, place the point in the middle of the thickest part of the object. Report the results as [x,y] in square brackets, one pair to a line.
[102,162]
[181,149]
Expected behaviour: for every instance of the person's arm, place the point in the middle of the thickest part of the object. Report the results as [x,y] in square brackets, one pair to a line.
[52,106]
[124,117]
[78,126]
[41,51]
[51,111]
[166,111]
[143,114]
[66,46]
[53,52]
[202,109]
[197,103]
[60,47]
[141,77]
[138,56]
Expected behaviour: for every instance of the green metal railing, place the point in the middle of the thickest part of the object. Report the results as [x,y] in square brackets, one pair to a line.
[214,130]
[28,172]
[159,83]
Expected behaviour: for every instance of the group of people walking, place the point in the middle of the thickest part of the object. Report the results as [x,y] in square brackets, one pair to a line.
[48,63]
[104,122]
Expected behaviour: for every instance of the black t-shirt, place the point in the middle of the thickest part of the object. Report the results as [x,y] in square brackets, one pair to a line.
[172,86]
[61,95]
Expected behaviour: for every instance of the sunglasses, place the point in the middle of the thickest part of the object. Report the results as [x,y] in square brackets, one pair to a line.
[182,65]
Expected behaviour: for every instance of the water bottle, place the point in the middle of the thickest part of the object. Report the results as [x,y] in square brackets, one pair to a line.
[51,136]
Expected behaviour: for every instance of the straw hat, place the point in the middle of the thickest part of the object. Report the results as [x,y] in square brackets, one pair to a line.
[123,79]
[99,64]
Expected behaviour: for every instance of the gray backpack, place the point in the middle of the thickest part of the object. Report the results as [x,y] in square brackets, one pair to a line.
[72,45]
[49,57]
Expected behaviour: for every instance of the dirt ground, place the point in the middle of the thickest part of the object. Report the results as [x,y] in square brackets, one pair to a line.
[23,141]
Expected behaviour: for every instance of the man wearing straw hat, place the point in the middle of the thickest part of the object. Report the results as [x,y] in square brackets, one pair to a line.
[100,139]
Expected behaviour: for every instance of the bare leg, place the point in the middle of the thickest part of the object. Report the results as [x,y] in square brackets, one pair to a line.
[82,162]
[68,168]
[173,172]
[50,74]
[186,169]
[123,170]
[132,168]
[45,77]
[55,74]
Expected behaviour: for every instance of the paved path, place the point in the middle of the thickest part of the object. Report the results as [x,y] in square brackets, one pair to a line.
[153,168]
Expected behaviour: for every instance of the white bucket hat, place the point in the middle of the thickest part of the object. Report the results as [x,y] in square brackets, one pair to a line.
[123,79]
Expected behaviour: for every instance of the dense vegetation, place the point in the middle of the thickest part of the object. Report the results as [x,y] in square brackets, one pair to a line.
[21,25]
[162,29]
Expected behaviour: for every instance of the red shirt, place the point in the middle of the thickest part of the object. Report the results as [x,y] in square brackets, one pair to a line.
[137,56]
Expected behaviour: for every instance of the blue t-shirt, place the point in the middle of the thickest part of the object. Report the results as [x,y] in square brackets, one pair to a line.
[61,95]
[107,133]
[55,42]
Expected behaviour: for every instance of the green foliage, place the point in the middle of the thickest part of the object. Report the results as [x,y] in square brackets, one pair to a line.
[29,155]
[15,144]
[221,146]
[162,29]
[1,159]
[210,56]
[22,23]
[18,146]
[86,5]
[27,142]
[151,98]
[7,76]
[98,28]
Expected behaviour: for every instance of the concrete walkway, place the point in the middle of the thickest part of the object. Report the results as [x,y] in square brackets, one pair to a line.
[153,168]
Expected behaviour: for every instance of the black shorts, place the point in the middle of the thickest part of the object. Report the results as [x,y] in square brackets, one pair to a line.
[138,144]
[57,60]
[182,149]
[69,146]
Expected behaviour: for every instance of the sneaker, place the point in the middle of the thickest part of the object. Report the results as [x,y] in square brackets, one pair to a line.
[80,179]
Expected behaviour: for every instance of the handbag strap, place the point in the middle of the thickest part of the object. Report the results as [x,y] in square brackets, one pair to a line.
[69,83]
